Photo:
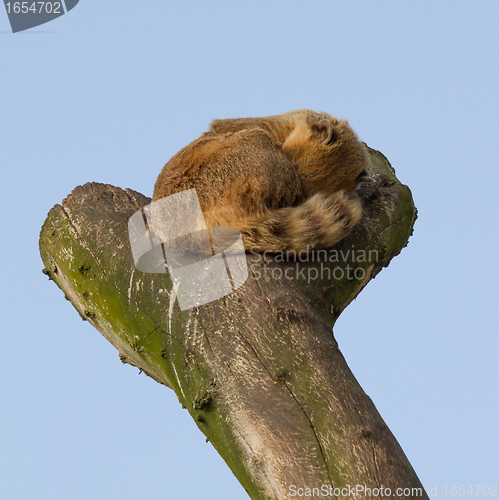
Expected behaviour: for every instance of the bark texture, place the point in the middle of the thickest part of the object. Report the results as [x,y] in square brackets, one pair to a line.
[259,370]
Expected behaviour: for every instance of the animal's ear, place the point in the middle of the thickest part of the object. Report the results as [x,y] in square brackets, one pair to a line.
[323,132]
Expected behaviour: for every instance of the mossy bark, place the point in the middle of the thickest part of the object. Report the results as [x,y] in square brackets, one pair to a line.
[259,370]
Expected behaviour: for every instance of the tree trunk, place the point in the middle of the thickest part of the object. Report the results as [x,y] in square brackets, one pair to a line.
[259,370]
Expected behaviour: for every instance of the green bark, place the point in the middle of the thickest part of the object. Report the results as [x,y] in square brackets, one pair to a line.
[259,370]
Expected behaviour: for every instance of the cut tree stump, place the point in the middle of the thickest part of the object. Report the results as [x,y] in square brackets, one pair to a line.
[259,370]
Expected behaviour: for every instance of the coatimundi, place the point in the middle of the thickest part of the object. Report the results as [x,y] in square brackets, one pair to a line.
[286,182]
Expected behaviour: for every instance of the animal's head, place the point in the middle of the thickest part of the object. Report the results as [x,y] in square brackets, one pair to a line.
[328,153]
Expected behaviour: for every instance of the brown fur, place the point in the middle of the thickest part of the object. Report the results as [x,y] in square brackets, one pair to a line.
[285,181]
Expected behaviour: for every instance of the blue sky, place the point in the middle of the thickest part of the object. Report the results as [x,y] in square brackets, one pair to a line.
[110,91]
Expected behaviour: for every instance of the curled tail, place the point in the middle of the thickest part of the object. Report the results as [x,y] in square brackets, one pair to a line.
[320,222]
